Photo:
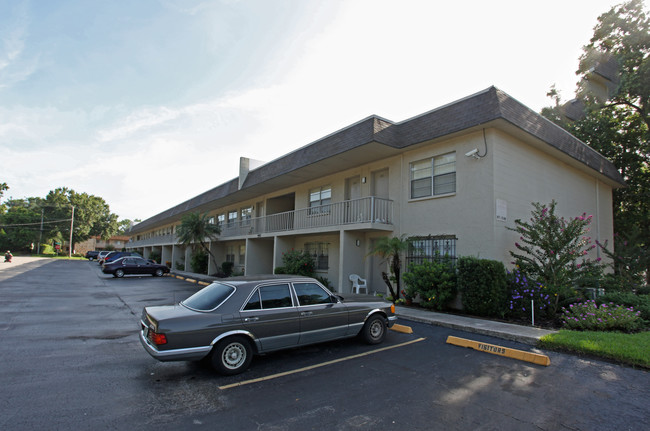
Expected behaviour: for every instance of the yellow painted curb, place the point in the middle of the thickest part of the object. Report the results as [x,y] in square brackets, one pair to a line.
[401,328]
[204,283]
[535,358]
[191,280]
[179,277]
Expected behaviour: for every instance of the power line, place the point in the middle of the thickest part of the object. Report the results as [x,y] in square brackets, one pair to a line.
[37,223]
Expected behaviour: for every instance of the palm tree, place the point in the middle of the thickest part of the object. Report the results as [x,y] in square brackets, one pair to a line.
[390,249]
[198,229]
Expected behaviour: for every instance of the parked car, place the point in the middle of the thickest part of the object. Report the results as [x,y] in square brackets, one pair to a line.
[102,254]
[134,265]
[92,255]
[230,320]
[116,255]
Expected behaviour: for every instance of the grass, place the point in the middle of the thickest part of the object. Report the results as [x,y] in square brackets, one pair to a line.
[630,349]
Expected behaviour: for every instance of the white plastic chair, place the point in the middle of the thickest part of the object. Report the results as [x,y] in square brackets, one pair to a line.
[358,283]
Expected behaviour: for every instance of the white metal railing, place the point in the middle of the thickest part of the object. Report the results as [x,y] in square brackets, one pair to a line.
[356,211]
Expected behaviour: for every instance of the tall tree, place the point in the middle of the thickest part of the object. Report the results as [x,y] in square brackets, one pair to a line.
[92,215]
[197,229]
[616,119]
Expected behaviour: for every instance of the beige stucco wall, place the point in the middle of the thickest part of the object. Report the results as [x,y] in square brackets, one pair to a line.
[524,174]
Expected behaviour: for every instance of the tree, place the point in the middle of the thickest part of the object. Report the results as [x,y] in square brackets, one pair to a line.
[196,228]
[124,225]
[553,250]
[621,39]
[616,123]
[390,249]
[20,224]
[92,215]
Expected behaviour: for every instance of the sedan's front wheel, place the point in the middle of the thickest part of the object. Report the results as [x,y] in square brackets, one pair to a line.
[159,273]
[119,273]
[374,331]
[232,355]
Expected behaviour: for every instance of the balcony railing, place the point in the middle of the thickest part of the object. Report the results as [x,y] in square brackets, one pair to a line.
[357,211]
[364,210]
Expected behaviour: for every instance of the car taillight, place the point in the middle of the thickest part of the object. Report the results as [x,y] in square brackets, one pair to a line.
[392,308]
[157,339]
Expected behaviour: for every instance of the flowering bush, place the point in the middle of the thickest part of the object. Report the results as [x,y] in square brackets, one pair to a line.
[588,316]
[554,251]
[522,292]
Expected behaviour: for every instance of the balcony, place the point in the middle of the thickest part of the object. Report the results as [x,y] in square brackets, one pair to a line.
[364,211]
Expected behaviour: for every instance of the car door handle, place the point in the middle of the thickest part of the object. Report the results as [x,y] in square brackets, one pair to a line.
[306,313]
[251,319]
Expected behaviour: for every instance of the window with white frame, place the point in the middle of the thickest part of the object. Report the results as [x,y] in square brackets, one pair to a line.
[230,254]
[246,215]
[232,218]
[221,219]
[320,199]
[319,251]
[434,176]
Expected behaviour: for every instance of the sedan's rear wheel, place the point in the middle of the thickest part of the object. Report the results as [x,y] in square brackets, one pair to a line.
[119,273]
[159,273]
[232,355]
[374,331]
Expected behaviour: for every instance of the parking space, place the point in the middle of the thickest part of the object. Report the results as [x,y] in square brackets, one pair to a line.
[72,360]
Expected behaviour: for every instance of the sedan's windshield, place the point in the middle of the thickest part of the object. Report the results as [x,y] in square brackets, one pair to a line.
[209,297]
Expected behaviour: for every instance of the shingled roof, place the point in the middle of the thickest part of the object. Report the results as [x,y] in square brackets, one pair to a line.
[486,106]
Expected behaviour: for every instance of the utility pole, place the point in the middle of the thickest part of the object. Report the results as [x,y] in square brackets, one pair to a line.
[40,236]
[71,227]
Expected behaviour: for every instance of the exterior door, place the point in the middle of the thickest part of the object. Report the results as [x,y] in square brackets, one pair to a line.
[352,193]
[380,184]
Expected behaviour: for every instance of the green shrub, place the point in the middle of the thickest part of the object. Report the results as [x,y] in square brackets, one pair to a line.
[226,268]
[325,282]
[483,286]
[434,282]
[47,249]
[199,262]
[588,316]
[298,263]
[155,255]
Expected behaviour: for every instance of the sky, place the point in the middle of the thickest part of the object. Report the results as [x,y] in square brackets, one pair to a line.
[149,103]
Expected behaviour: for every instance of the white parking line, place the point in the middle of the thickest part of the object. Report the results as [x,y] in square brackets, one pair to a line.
[311,367]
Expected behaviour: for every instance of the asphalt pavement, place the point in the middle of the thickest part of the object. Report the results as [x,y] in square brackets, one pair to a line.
[507,331]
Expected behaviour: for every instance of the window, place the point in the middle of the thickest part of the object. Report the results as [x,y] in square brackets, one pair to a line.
[275,296]
[246,215]
[211,220]
[230,254]
[431,248]
[209,297]
[320,200]
[432,177]
[232,218]
[221,219]
[311,294]
[242,254]
[320,252]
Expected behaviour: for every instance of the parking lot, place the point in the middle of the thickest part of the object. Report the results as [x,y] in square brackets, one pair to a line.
[71,359]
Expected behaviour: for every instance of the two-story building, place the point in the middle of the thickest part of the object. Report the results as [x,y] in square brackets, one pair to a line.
[452,180]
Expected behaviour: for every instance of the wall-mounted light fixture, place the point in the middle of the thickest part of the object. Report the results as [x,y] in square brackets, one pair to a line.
[363,180]
[358,243]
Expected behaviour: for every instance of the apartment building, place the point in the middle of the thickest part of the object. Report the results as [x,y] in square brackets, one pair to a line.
[452,180]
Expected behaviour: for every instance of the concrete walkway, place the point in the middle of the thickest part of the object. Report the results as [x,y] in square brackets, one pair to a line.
[508,331]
